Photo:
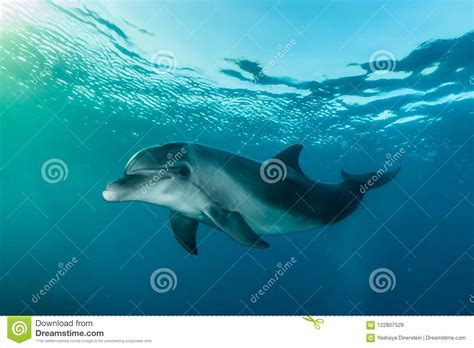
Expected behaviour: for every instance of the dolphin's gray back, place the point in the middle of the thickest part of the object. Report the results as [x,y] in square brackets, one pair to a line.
[235,182]
[292,204]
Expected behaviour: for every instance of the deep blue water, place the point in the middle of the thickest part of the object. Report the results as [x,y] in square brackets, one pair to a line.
[76,87]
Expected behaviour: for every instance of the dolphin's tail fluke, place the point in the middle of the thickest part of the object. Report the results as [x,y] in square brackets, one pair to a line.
[370,180]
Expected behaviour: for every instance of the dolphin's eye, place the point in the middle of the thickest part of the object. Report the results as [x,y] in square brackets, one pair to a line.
[184,171]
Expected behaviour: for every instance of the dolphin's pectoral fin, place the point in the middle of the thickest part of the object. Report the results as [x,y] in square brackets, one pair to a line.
[184,230]
[291,157]
[234,225]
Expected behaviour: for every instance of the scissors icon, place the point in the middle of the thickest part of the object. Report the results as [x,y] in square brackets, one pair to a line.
[316,322]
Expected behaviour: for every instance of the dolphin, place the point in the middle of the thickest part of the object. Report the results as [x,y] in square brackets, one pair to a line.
[243,198]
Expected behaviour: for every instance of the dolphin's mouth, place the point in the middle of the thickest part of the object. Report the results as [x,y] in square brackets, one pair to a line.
[127,187]
[115,190]
[112,192]
[109,196]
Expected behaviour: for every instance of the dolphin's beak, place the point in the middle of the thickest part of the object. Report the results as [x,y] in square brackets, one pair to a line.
[116,190]
[109,196]
[111,192]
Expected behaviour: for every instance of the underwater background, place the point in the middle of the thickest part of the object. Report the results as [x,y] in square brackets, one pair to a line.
[84,85]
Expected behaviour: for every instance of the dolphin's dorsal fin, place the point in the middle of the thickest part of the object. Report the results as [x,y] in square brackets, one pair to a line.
[234,225]
[291,157]
[184,230]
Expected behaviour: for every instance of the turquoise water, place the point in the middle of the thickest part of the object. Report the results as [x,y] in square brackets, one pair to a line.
[79,86]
